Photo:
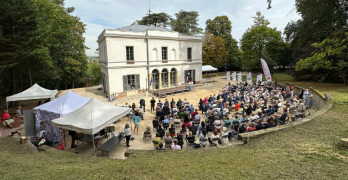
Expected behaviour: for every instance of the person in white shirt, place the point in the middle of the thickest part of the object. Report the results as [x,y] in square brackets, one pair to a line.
[175,146]
[224,133]
[203,138]
[127,134]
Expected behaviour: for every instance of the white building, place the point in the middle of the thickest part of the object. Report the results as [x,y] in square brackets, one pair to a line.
[131,56]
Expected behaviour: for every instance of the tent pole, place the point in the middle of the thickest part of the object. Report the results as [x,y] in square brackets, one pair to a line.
[64,138]
[93,145]
[130,122]
[52,137]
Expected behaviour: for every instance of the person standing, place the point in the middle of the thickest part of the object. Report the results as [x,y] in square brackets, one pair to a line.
[305,95]
[127,133]
[172,104]
[142,103]
[73,138]
[136,120]
[292,90]
[310,102]
[153,102]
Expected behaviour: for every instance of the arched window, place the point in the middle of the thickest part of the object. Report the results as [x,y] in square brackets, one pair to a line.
[173,77]
[164,78]
[155,80]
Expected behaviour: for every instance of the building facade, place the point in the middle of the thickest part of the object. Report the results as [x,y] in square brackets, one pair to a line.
[137,57]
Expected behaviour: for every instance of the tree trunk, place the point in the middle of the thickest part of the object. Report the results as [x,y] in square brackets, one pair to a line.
[345,80]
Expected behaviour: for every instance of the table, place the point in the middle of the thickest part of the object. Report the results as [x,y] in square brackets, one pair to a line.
[88,139]
[108,145]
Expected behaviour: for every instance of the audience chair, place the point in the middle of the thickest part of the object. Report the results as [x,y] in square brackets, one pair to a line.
[190,142]
[177,123]
[155,125]
[147,135]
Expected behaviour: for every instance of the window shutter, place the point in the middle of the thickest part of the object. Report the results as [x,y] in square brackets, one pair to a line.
[137,81]
[125,83]
[194,75]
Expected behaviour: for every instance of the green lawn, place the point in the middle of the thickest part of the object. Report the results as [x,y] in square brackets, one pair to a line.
[308,151]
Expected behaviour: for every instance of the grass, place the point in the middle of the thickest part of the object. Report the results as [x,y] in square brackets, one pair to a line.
[308,151]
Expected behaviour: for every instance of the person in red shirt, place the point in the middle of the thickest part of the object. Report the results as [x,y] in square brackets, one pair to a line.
[6,119]
[237,107]
[251,127]
[194,114]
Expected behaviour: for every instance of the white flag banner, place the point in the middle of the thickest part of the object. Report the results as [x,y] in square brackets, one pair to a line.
[228,75]
[234,76]
[259,78]
[266,71]
[249,80]
[239,76]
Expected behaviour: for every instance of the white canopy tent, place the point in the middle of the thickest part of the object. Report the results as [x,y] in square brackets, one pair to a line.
[65,104]
[91,117]
[59,107]
[34,92]
[207,68]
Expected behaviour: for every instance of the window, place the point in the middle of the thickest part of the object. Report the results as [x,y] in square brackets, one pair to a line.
[131,82]
[164,53]
[189,53]
[129,53]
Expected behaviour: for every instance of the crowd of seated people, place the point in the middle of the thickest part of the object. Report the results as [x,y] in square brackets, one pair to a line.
[239,108]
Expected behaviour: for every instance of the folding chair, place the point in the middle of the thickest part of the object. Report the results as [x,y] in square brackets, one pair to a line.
[147,135]
[190,142]
[177,123]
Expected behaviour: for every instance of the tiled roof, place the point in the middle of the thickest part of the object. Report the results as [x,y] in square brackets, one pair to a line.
[142,28]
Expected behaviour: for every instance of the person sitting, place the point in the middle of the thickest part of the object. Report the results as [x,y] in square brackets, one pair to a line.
[243,119]
[194,114]
[187,113]
[190,138]
[191,109]
[217,122]
[165,122]
[6,119]
[168,140]
[224,135]
[301,107]
[156,140]
[19,113]
[203,138]
[161,131]
[186,122]
[181,114]
[174,111]
[193,129]
[172,131]
[235,121]
[175,146]
[251,127]
[259,125]
[249,110]
[183,130]
[237,107]
[180,140]
[242,128]
[197,119]
[228,122]
[215,138]
[148,131]
[234,133]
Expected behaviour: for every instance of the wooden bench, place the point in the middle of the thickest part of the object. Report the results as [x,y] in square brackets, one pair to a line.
[110,144]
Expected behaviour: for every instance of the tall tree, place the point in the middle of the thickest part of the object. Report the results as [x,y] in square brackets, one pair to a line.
[257,39]
[40,42]
[213,50]
[156,19]
[330,55]
[222,26]
[186,22]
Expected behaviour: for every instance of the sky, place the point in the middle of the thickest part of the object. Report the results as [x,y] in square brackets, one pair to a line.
[112,14]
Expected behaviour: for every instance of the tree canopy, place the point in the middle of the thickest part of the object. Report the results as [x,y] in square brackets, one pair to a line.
[156,19]
[213,50]
[186,22]
[258,39]
[222,26]
[40,42]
